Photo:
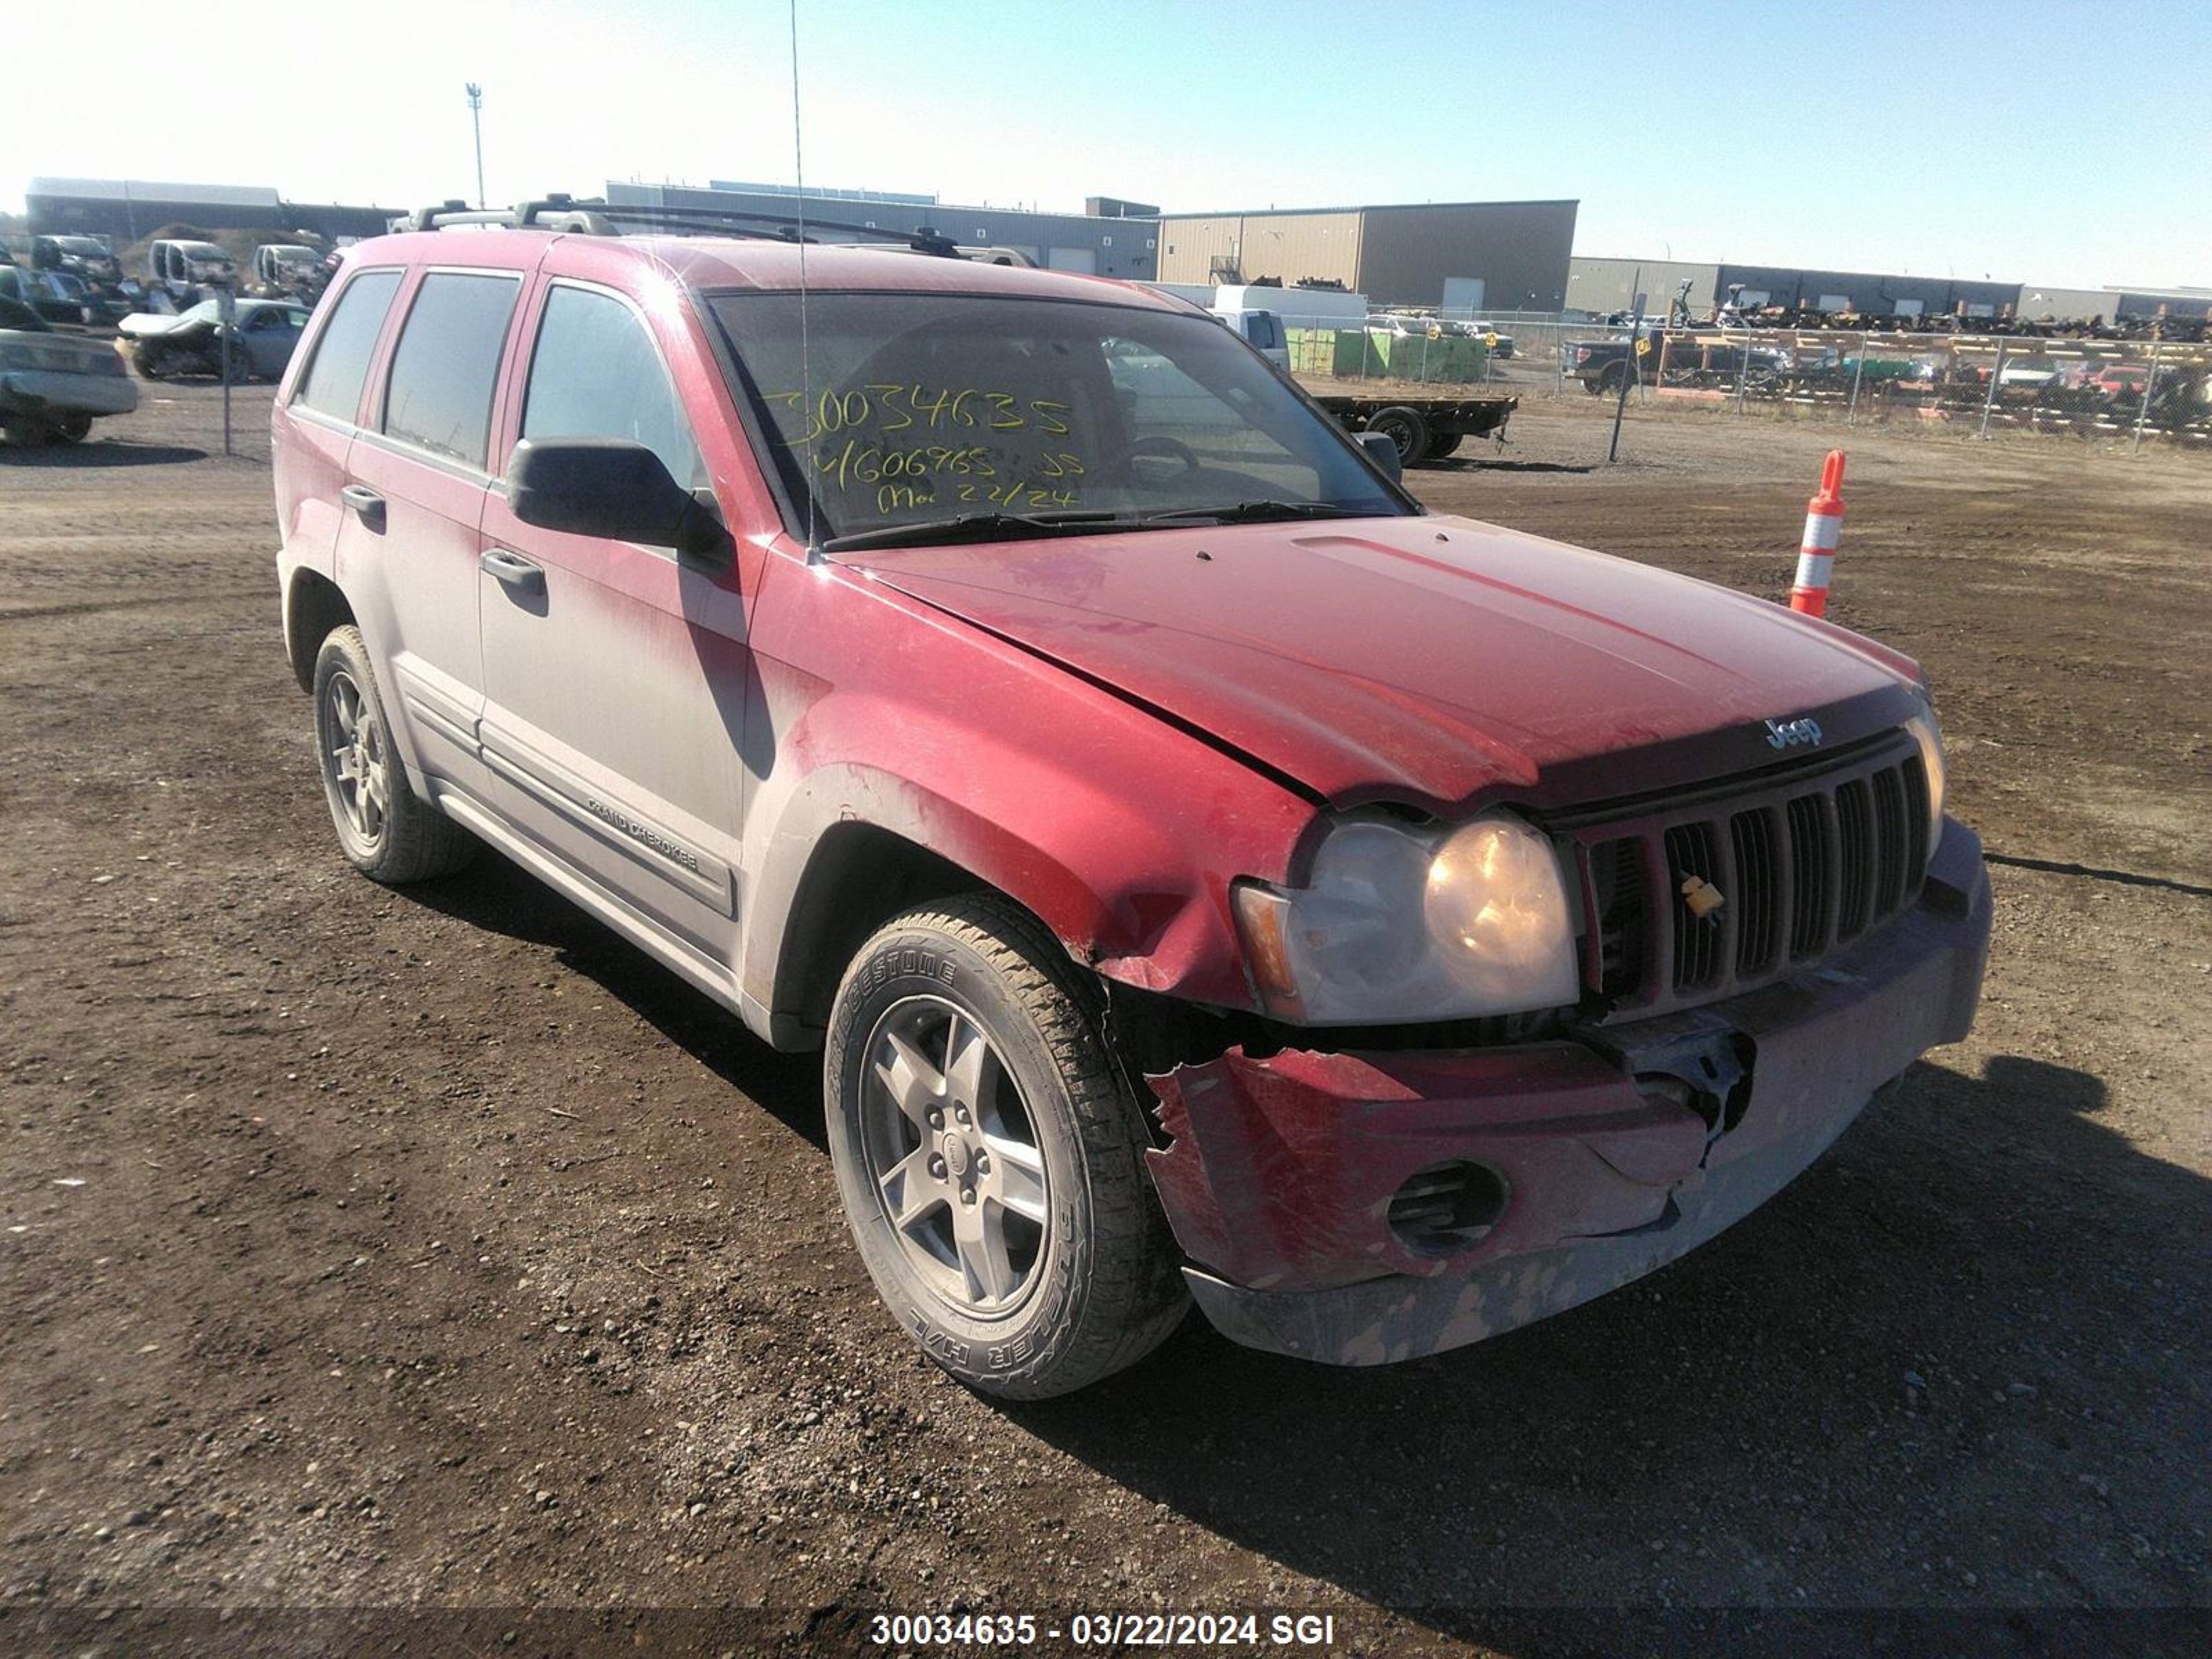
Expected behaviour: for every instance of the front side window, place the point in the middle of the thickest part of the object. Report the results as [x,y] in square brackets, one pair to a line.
[332,383]
[595,374]
[442,371]
[914,410]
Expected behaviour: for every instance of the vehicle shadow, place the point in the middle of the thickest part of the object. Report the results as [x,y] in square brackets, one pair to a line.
[99,452]
[1904,1382]
[499,897]
[1477,464]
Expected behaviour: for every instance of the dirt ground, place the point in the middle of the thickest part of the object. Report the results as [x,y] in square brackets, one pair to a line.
[364,1249]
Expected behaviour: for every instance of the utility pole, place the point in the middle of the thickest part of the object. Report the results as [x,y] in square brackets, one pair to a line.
[1628,369]
[475,119]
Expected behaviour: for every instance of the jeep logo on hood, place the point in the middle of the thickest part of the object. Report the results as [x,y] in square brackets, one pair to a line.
[1792,734]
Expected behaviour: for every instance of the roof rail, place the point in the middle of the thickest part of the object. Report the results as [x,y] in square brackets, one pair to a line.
[786,227]
[598,217]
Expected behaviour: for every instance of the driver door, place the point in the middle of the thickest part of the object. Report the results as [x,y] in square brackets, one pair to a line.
[614,676]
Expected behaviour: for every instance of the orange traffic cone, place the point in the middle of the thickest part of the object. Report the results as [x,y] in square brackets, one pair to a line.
[1816,558]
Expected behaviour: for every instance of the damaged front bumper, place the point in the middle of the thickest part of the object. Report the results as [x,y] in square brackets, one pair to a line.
[1603,1156]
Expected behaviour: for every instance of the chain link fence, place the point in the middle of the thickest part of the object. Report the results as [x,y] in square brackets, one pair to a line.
[2131,393]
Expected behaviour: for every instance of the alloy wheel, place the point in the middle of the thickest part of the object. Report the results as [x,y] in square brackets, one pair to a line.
[355,762]
[953,1156]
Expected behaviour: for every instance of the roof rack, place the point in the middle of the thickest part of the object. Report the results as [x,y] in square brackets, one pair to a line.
[553,212]
[785,227]
[597,217]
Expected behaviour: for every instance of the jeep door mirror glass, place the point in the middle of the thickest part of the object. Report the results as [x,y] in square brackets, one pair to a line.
[614,488]
[1383,449]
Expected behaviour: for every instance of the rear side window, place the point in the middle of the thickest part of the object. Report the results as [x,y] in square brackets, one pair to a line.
[597,375]
[439,397]
[331,385]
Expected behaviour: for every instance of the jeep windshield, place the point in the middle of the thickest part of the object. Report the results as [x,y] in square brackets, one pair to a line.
[933,417]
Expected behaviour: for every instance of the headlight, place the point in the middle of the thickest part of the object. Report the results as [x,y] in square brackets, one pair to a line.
[1930,737]
[1401,924]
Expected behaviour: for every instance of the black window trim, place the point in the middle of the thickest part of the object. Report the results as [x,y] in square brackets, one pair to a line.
[415,451]
[331,302]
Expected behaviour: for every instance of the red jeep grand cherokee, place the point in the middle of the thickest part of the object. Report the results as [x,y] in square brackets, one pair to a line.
[1207,874]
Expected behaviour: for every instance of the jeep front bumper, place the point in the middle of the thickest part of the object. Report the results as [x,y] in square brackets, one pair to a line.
[1619,1149]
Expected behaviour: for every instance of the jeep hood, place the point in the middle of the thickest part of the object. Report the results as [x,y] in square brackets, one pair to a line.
[1427,659]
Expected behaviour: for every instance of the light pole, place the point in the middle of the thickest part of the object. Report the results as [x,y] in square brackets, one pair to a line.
[476,120]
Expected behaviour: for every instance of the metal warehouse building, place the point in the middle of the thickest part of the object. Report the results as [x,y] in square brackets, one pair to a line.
[128,209]
[1117,239]
[1465,256]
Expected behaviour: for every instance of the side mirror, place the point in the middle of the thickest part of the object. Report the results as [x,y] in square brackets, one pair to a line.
[1383,449]
[614,488]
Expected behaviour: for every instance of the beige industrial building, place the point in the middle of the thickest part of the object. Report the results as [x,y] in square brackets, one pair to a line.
[1463,256]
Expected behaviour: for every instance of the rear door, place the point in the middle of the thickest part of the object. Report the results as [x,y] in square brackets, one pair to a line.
[615,675]
[409,542]
[318,415]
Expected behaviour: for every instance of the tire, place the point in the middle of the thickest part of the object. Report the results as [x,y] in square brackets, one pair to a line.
[1441,444]
[70,429]
[388,833]
[1608,383]
[1408,428]
[1081,1277]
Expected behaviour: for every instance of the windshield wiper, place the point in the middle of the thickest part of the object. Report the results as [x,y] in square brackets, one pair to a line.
[1259,511]
[978,527]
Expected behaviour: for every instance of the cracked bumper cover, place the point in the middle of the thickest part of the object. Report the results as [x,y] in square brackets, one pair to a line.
[1279,1173]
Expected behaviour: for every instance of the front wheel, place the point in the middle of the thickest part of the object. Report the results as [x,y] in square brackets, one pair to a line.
[989,1155]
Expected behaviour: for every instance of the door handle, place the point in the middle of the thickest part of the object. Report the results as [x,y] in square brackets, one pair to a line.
[366,503]
[512,568]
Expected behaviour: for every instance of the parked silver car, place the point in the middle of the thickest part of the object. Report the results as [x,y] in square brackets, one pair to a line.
[54,387]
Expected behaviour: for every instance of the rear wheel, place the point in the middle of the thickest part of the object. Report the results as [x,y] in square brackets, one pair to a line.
[990,1157]
[71,429]
[1441,444]
[1407,429]
[390,833]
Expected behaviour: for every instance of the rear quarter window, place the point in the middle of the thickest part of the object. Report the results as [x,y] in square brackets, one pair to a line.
[439,397]
[332,383]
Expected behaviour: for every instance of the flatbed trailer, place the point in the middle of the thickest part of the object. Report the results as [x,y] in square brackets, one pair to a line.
[1423,428]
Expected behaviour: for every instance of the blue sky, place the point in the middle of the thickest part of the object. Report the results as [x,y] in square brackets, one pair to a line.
[2051,142]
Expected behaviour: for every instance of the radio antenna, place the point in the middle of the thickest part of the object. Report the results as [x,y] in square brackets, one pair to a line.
[805,343]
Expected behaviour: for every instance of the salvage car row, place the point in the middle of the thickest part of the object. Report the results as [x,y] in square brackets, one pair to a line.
[72,327]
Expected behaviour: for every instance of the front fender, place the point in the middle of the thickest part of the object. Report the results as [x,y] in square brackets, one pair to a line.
[1119,832]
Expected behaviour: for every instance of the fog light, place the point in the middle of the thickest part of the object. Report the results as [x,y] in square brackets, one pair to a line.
[1447,1208]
